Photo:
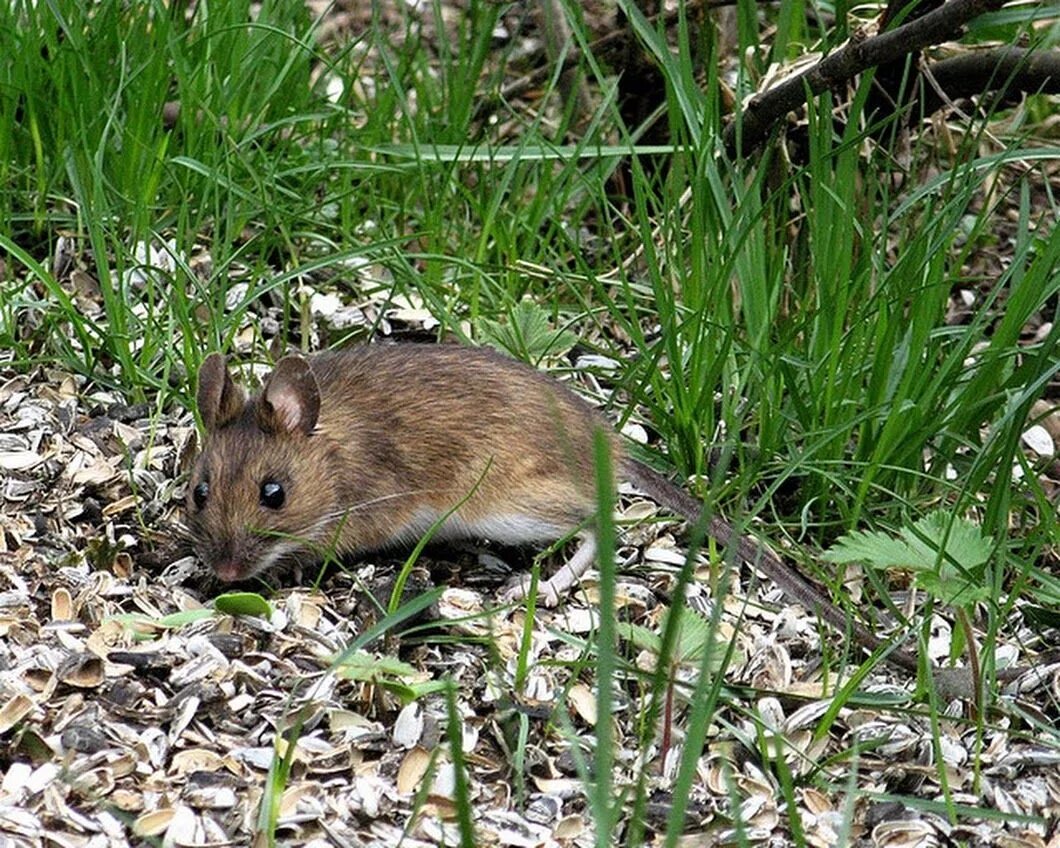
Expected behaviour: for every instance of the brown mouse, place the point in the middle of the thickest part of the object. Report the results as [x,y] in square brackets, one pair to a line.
[364,449]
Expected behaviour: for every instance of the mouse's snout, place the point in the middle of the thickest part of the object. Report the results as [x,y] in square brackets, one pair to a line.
[231,557]
[230,571]
[245,553]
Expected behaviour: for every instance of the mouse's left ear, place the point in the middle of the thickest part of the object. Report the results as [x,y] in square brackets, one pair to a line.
[291,398]
[219,399]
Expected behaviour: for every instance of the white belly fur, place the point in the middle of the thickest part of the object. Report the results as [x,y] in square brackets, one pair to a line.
[509,529]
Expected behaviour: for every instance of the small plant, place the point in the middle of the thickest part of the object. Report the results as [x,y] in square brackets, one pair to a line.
[698,648]
[947,556]
[528,333]
[354,664]
[403,681]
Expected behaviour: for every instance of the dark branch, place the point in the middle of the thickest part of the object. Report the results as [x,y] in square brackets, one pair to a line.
[857,55]
[1010,71]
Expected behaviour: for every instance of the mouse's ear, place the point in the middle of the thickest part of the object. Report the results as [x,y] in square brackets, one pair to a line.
[291,398]
[219,399]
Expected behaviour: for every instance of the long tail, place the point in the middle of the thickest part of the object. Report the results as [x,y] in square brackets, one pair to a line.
[761,558]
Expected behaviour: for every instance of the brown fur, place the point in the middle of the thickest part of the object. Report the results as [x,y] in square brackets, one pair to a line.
[404,431]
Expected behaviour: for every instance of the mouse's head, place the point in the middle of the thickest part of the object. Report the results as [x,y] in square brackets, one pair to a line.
[261,492]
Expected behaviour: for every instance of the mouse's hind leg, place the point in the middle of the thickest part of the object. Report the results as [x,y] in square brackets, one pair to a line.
[549,592]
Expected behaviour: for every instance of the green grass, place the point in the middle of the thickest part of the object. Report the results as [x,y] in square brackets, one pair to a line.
[792,314]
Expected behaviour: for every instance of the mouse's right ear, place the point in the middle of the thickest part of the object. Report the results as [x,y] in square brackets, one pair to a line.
[290,399]
[219,399]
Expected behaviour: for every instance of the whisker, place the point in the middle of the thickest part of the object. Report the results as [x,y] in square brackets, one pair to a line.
[319,531]
[375,502]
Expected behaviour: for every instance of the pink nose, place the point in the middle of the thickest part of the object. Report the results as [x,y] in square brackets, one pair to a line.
[229,570]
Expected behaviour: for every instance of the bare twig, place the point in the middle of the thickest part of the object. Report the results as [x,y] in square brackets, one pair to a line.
[1010,71]
[857,55]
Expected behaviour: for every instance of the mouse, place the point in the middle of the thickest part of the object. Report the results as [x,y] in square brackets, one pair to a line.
[363,449]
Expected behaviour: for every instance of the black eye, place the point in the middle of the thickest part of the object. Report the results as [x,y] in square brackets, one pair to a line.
[272,494]
[200,494]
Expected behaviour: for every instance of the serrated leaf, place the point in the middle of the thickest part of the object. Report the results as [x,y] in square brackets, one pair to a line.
[952,589]
[694,637]
[526,334]
[873,548]
[954,576]
[692,640]
[641,637]
[965,542]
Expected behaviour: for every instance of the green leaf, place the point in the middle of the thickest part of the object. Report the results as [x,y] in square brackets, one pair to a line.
[399,678]
[947,555]
[641,637]
[694,638]
[179,619]
[409,692]
[527,333]
[243,603]
[368,667]
[965,543]
[1041,617]
[872,547]
[144,627]
[952,589]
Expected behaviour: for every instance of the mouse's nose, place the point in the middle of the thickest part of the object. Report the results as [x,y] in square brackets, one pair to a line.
[229,570]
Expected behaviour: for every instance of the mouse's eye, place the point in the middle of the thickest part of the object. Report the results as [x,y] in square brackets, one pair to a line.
[200,494]
[272,494]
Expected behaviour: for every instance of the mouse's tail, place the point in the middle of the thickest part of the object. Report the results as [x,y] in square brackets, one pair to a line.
[759,557]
